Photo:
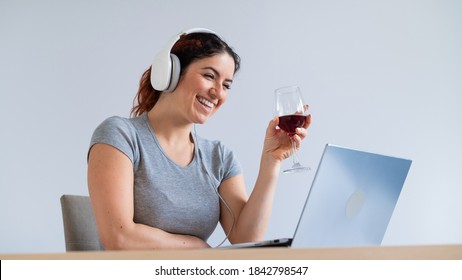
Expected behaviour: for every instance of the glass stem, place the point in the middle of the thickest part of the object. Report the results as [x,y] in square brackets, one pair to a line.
[294,152]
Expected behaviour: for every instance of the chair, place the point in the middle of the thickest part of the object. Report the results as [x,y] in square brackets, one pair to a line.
[80,231]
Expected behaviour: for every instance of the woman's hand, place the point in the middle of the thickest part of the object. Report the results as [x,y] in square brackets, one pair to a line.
[278,143]
[252,214]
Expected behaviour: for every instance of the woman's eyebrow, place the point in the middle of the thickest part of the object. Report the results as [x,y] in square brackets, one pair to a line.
[215,71]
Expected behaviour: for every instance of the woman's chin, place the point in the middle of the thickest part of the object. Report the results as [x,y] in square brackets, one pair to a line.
[203,118]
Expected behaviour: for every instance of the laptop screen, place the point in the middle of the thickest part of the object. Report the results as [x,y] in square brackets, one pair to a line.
[351,200]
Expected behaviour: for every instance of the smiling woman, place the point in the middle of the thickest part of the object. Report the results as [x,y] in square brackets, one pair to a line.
[203,88]
[153,184]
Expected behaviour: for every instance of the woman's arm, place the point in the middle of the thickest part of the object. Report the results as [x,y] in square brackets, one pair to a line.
[251,216]
[110,184]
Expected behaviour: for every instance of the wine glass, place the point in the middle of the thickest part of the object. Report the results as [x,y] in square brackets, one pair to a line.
[291,111]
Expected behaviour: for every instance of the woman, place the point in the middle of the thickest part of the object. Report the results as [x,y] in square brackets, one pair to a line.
[153,184]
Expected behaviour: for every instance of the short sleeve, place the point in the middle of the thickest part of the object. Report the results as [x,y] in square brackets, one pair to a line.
[231,165]
[119,133]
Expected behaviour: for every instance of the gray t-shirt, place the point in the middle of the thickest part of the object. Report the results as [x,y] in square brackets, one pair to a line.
[168,196]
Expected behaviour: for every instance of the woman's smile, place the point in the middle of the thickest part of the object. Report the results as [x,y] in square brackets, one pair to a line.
[206,103]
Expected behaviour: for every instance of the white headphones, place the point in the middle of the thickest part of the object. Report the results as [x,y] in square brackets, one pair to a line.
[165,70]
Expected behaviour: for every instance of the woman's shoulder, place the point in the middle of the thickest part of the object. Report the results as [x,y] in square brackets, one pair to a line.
[220,158]
[120,133]
[115,127]
[115,122]
[213,146]
[119,124]
[209,144]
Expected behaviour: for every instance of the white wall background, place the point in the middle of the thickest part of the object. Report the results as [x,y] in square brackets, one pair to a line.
[383,76]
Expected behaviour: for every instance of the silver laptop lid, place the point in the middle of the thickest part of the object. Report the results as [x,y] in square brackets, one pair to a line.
[351,200]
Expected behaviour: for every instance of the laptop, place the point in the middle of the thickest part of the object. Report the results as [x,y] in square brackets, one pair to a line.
[350,202]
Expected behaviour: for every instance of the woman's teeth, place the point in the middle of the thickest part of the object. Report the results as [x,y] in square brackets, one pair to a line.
[206,102]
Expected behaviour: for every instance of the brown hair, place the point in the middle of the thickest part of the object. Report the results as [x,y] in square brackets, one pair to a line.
[188,48]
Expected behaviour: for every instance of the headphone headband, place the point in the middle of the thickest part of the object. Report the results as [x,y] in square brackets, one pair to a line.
[165,69]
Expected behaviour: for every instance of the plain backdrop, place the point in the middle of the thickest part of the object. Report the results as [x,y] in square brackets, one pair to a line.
[381,76]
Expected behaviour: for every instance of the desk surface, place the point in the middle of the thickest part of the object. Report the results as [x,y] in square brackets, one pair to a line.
[430,252]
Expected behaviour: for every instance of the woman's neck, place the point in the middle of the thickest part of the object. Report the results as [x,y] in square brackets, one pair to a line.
[173,135]
[168,126]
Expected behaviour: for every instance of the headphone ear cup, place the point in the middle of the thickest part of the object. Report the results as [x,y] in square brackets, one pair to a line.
[175,73]
[161,70]
[166,67]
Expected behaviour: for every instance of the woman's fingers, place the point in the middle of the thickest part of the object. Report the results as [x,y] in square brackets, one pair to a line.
[307,121]
[301,132]
[297,140]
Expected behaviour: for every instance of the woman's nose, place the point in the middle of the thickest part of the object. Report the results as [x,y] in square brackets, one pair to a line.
[216,91]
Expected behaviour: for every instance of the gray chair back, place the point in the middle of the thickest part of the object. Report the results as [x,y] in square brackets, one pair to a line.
[80,231]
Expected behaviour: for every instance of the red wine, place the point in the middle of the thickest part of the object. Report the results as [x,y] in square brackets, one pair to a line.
[289,123]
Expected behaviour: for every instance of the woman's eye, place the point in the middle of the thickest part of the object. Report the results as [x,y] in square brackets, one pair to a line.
[210,76]
[226,86]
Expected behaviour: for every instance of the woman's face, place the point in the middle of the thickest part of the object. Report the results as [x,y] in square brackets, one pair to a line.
[204,86]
